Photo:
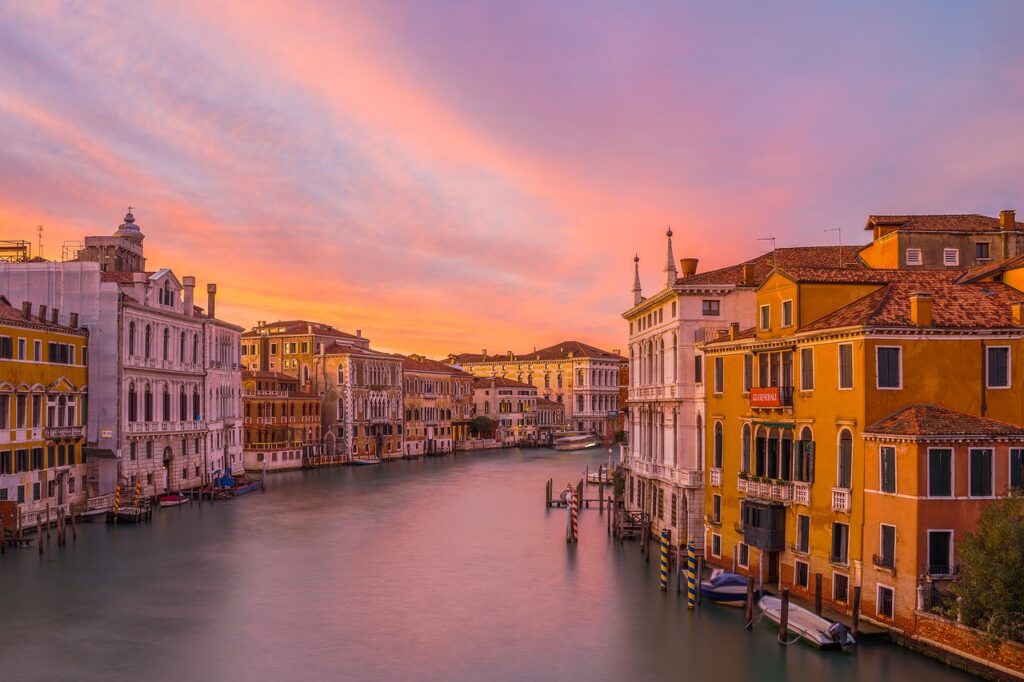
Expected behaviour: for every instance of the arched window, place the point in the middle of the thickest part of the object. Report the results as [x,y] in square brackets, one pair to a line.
[700,443]
[195,348]
[166,405]
[147,348]
[167,344]
[803,469]
[148,404]
[786,455]
[559,377]
[844,460]
[181,349]
[579,403]
[182,405]
[718,446]
[133,403]
[579,378]
[761,451]
[195,405]
[745,449]
[547,379]
[131,338]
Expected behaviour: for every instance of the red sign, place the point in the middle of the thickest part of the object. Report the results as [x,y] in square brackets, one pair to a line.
[765,397]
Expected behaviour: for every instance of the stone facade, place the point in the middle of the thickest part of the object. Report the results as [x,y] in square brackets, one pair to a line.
[511,405]
[282,423]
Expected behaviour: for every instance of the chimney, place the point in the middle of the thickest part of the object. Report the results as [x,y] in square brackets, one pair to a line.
[723,333]
[734,330]
[748,275]
[687,266]
[211,296]
[42,313]
[921,309]
[1018,313]
[309,328]
[616,351]
[190,294]
[54,315]
[359,333]
[1008,219]
[483,353]
[26,309]
[73,320]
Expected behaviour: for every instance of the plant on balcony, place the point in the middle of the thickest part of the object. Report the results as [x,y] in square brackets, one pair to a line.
[777,481]
[991,584]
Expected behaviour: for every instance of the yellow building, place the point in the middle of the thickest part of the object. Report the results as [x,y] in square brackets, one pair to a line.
[433,397]
[789,403]
[282,423]
[42,411]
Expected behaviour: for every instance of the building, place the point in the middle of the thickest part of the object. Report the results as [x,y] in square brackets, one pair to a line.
[43,404]
[429,397]
[511,405]
[462,407]
[550,420]
[862,422]
[164,375]
[666,418]
[282,423]
[583,378]
[294,347]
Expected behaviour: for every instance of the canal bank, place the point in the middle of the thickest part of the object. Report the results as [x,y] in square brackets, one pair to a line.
[431,569]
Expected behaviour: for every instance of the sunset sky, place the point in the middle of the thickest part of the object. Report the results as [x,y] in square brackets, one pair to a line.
[452,176]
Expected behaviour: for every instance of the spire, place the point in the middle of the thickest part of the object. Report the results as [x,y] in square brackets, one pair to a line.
[670,269]
[637,296]
[129,230]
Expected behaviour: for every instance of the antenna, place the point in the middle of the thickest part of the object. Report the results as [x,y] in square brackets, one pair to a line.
[39,236]
[838,230]
[770,238]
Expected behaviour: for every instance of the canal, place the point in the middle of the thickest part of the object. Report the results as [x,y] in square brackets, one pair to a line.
[438,569]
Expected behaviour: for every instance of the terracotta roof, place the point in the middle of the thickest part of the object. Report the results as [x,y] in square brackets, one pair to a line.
[967,222]
[10,314]
[302,327]
[348,349]
[748,333]
[258,374]
[982,305]
[989,269]
[500,382]
[422,364]
[785,257]
[839,276]
[544,402]
[932,420]
[120,277]
[559,351]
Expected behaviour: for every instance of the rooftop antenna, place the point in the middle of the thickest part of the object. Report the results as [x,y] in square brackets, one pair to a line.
[838,230]
[39,236]
[770,238]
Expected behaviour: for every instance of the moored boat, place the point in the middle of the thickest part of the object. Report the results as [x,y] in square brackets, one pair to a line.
[810,628]
[725,588]
[364,461]
[576,441]
[174,499]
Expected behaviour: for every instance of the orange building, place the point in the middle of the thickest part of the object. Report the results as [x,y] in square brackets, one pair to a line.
[282,423]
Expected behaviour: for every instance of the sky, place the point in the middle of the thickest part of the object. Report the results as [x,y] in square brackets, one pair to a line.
[450,176]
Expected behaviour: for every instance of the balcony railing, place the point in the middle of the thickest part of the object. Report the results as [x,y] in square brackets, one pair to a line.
[768,539]
[153,427]
[771,397]
[54,432]
[841,499]
[943,571]
[767,490]
[684,478]
[883,561]
[802,493]
[716,478]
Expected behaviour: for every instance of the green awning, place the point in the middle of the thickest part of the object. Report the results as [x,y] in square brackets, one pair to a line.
[776,425]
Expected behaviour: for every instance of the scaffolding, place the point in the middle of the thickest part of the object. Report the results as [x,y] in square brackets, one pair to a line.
[15,251]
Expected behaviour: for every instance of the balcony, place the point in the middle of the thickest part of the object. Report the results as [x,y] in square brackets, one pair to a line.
[768,539]
[802,493]
[765,490]
[684,478]
[943,572]
[58,432]
[264,394]
[716,478]
[841,500]
[165,427]
[882,561]
[771,397]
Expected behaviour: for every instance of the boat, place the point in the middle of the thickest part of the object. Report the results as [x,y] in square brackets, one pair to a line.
[810,628]
[577,441]
[603,476]
[364,461]
[725,588]
[227,486]
[173,499]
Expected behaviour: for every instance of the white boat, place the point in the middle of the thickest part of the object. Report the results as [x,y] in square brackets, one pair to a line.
[811,629]
[173,500]
[363,461]
[580,441]
[603,476]
[725,588]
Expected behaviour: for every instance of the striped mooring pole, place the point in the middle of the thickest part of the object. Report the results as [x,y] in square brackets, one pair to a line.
[665,543]
[138,492]
[574,505]
[117,498]
[691,575]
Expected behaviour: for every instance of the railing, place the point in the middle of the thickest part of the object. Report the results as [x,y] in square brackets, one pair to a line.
[840,559]
[716,478]
[797,549]
[100,503]
[53,432]
[770,397]
[943,571]
[147,427]
[841,499]
[802,493]
[768,490]
[883,561]
[267,394]
[686,478]
[768,539]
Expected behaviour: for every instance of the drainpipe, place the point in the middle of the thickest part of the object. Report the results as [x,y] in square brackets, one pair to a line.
[984,355]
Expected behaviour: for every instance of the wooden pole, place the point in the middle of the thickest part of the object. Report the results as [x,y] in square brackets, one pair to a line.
[700,573]
[74,526]
[735,551]
[817,594]
[3,537]
[784,616]
[760,571]
[39,534]
[47,523]
[749,605]
[856,612]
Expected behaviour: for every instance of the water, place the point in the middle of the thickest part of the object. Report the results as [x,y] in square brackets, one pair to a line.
[421,570]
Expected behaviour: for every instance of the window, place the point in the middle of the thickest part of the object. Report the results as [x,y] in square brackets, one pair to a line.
[997,367]
[765,317]
[711,308]
[716,508]
[886,546]
[698,369]
[844,461]
[719,437]
[1017,468]
[745,449]
[914,257]
[803,533]
[981,472]
[748,372]
[37,350]
[840,543]
[806,369]
[840,587]
[803,469]
[888,367]
[802,577]
[887,469]
[6,349]
[675,513]
[716,545]
[787,313]
[940,552]
[885,601]
[951,257]
[21,349]
[744,555]
[673,312]
[719,375]
[845,365]
[940,472]
[981,250]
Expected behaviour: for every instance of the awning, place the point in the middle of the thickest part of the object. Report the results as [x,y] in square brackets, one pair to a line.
[776,425]
[99,453]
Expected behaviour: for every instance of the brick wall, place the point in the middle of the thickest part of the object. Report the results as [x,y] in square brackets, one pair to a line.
[971,644]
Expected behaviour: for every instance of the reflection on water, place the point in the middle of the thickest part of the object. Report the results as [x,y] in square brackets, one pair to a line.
[427,570]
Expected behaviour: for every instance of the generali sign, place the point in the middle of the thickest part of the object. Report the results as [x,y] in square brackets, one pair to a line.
[765,397]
